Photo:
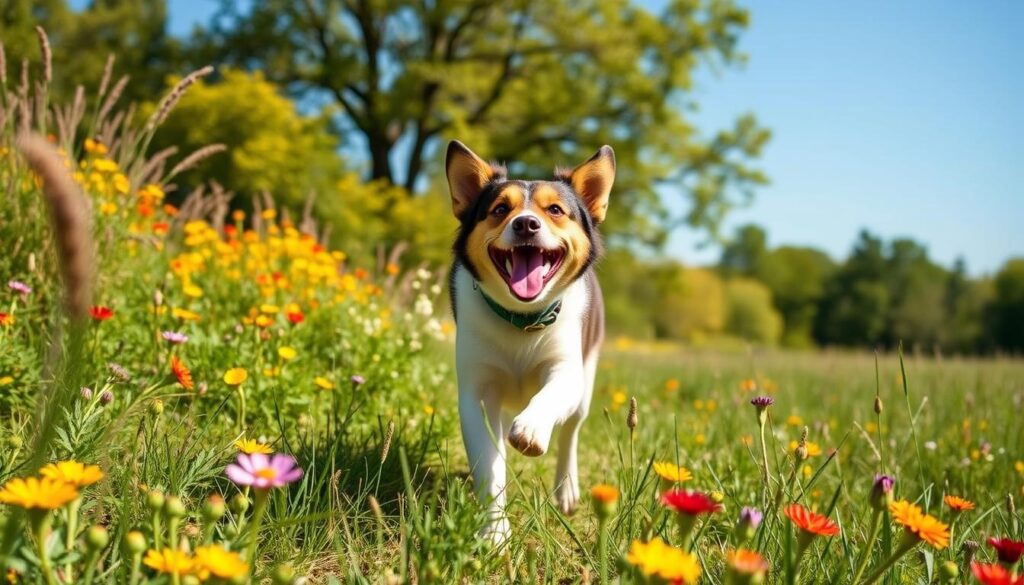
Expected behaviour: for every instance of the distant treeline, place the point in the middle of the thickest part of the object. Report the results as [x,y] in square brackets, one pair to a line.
[883,293]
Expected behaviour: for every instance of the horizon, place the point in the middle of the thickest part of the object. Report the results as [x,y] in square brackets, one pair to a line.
[885,98]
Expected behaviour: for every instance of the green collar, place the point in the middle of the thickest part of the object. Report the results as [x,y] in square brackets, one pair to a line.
[525,321]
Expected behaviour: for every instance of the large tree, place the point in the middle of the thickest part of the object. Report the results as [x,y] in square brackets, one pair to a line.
[533,82]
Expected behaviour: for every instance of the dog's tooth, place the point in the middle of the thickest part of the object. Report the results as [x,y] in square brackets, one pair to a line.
[508,265]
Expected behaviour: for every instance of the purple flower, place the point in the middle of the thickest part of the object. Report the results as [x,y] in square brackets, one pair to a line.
[119,372]
[751,516]
[881,491]
[174,337]
[357,380]
[106,397]
[86,393]
[19,287]
[762,402]
[262,472]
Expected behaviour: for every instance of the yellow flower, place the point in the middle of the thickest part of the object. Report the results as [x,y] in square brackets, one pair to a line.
[924,526]
[250,446]
[323,383]
[235,376]
[223,564]
[170,561]
[429,409]
[72,472]
[192,291]
[669,471]
[37,493]
[667,562]
[269,309]
[812,448]
[287,353]
[958,504]
[263,321]
[5,380]
[794,420]
[184,314]
[619,398]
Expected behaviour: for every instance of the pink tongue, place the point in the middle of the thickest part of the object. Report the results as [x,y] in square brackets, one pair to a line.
[527,265]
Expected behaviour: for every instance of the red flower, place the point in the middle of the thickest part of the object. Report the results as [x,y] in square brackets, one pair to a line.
[690,502]
[994,574]
[1009,551]
[181,372]
[296,317]
[811,522]
[101,313]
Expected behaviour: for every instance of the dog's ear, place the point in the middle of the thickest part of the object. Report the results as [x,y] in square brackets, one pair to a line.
[593,181]
[467,175]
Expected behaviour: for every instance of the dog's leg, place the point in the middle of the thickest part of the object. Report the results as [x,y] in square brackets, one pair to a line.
[567,481]
[559,398]
[477,413]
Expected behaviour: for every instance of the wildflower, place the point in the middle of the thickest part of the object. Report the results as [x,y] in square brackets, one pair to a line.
[750,519]
[1008,551]
[813,448]
[748,385]
[667,562]
[214,560]
[605,499]
[106,397]
[19,287]
[323,383]
[881,491]
[72,472]
[181,373]
[958,504]
[691,503]
[287,353]
[746,566]
[6,319]
[994,574]
[295,317]
[357,380]
[811,523]
[671,385]
[99,313]
[86,393]
[169,561]
[261,472]
[35,493]
[250,446]
[235,376]
[174,337]
[184,314]
[119,372]
[919,525]
[671,473]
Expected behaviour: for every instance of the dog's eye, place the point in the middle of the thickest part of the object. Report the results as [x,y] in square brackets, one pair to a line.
[499,210]
[556,210]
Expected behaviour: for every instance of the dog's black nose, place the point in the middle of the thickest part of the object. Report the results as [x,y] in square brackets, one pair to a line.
[526,225]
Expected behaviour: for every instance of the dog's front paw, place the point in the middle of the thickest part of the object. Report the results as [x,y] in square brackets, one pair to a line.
[497,531]
[567,495]
[529,438]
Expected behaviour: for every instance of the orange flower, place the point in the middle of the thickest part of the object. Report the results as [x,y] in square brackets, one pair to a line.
[604,493]
[746,562]
[923,526]
[6,319]
[958,504]
[811,522]
[182,373]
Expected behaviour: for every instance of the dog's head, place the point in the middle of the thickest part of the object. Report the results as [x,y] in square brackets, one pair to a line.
[525,241]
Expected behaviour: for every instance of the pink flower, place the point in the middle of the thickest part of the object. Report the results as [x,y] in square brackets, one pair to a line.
[19,287]
[262,472]
[174,337]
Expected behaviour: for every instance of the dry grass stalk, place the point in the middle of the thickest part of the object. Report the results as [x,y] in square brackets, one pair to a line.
[3,67]
[70,218]
[155,165]
[193,159]
[108,71]
[44,48]
[172,98]
[111,99]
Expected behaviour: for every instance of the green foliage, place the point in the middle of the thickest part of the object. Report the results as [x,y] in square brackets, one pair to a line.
[796,277]
[529,82]
[1008,306]
[751,315]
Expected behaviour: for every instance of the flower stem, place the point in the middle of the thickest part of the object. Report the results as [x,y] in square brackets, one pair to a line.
[41,526]
[136,561]
[865,553]
[158,537]
[69,541]
[905,546]
[686,524]
[602,550]
[241,408]
[259,508]
[764,462]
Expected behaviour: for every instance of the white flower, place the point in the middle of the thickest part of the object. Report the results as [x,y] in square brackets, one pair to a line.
[931,445]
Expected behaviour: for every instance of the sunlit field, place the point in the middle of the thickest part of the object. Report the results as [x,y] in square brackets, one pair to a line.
[193,394]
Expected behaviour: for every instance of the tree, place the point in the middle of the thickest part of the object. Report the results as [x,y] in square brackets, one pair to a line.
[749,311]
[1007,309]
[856,300]
[532,82]
[134,31]
[796,277]
[743,255]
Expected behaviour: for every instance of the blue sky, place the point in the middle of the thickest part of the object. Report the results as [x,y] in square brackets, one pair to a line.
[904,117]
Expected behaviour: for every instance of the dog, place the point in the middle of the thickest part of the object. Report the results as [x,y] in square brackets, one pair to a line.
[529,315]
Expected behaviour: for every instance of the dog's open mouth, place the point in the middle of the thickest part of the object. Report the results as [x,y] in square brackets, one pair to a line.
[526,269]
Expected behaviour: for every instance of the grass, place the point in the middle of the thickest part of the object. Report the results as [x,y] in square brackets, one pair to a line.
[349,371]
